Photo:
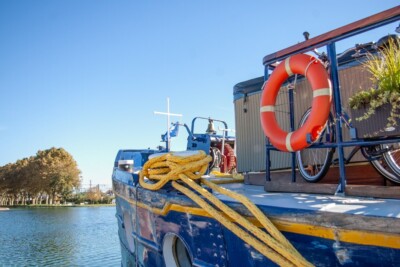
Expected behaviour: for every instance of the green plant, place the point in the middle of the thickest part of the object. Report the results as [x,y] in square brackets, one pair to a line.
[384,67]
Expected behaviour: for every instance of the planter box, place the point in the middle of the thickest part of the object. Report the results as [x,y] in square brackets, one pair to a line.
[376,125]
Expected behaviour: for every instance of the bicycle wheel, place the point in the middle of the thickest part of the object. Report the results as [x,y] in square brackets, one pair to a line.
[385,164]
[392,158]
[313,163]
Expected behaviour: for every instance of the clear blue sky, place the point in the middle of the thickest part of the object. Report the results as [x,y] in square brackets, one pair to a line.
[88,75]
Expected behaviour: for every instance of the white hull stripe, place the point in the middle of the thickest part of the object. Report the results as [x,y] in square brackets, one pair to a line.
[288,145]
[267,109]
[322,92]
[287,67]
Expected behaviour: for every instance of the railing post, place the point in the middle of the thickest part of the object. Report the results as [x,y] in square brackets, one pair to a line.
[291,112]
[267,144]
[331,49]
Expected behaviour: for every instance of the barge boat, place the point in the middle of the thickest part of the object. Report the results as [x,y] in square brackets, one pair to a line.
[205,207]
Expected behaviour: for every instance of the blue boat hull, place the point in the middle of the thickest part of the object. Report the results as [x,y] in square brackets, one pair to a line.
[146,218]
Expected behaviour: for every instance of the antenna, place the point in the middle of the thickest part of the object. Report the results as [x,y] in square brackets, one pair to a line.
[168,121]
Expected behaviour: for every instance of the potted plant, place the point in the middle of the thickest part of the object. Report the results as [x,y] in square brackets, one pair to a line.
[377,110]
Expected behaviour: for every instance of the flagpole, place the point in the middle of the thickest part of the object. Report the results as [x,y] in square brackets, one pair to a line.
[168,137]
[168,122]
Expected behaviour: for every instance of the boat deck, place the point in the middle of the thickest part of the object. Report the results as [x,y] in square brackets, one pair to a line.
[324,215]
[389,208]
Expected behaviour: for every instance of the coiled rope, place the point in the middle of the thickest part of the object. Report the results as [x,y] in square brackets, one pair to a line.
[185,170]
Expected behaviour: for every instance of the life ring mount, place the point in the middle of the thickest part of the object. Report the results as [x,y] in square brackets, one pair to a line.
[316,74]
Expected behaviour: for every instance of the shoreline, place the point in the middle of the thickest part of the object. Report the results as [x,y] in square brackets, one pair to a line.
[4,208]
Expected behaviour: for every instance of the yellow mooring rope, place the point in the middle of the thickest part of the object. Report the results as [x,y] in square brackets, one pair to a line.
[184,169]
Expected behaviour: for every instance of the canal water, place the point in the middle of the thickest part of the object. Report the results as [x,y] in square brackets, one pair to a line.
[70,236]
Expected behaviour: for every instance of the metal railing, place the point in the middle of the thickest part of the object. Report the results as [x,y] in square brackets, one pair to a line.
[329,40]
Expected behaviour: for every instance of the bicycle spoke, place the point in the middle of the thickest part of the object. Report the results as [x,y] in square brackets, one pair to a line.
[392,158]
[389,164]
[313,163]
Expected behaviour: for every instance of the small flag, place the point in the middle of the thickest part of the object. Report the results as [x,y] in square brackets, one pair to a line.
[173,132]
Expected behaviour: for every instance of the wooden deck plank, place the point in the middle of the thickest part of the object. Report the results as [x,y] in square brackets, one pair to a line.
[351,190]
[278,186]
[362,180]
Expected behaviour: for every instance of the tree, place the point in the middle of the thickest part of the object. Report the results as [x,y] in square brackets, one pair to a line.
[94,194]
[5,184]
[52,172]
[59,172]
[19,181]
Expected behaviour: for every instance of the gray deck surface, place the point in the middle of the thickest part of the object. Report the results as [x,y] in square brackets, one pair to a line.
[314,202]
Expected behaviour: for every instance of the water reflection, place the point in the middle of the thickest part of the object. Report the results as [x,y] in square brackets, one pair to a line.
[79,236]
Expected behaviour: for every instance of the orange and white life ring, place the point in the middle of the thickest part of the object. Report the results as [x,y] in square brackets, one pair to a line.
[314,71]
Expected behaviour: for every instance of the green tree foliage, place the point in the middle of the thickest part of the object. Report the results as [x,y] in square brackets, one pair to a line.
[94,195]
[51,174]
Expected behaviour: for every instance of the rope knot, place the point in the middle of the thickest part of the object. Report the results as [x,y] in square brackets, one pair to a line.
[163,168]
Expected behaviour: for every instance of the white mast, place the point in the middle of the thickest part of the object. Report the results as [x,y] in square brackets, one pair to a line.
[168,121]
